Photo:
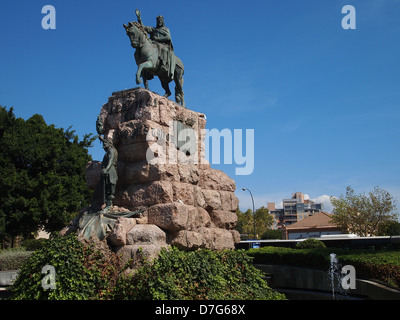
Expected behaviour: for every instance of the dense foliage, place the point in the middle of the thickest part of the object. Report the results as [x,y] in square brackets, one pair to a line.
[201,274]
[363,214]
[82,272]
[13,259]
[263,222]
[272,234]
[85,272]
[34,244]
[314,258]
[389,228]
[381,265]
[310,243]
[42,175]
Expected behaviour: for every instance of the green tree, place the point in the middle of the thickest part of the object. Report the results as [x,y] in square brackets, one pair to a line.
[42,175]
[363,214]
[263,222]
[389,228]
[245,221]
[272,234]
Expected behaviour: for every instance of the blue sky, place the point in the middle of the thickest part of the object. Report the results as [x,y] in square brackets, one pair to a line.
[324,102]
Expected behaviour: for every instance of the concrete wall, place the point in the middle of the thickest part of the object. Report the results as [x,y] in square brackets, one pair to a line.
[6,279]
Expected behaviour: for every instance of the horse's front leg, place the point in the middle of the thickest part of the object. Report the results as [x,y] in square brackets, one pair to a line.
[144,65]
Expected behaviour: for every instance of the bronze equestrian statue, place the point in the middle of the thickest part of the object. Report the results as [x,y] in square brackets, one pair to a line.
[155,56]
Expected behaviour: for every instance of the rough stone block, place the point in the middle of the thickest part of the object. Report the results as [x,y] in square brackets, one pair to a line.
[197,217]
[217,180]
[224,219]
[169,216]
[189,173]
[184,192]
[234,202]
[135,131]
[148,251]
[133,173]
[235,235]
[142,172]
[212,199]
[203,218]
[227,201]
[222,239]
[146,234]
[217,239]
[117,236]
[167,111]
[164,172]
[144,194]
[198,197]
[188,240]
[135,151]
[148,110]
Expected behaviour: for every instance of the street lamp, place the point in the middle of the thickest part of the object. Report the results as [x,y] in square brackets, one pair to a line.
[254,212]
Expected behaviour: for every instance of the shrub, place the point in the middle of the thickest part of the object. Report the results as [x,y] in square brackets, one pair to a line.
[82,271]
[313,258]
[201,274]
[310,243]
[34,244]
[381,266]
[12,259]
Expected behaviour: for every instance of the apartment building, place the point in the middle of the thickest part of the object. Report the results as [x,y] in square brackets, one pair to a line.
[294,209]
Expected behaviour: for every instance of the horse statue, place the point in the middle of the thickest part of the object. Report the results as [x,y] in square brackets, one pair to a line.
[150,64]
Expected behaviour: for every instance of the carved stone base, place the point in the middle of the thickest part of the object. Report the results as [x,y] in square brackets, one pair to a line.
[184,201]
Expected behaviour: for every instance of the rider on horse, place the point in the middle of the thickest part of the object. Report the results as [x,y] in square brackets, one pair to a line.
[162,37]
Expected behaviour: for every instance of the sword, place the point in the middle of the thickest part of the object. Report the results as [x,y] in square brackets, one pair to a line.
[139,18]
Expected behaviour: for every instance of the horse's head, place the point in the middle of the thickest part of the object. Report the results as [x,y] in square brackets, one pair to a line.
[129,27]
[135,34]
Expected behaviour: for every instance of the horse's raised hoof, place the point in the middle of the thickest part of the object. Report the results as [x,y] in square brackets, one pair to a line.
[138,80]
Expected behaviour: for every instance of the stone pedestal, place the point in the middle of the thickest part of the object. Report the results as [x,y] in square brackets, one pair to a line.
[162,171]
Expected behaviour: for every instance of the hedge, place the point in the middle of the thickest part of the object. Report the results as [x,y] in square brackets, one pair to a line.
[12,259]
[310,243]
[383,266]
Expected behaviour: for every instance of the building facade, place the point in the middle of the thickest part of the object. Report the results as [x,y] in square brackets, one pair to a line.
[294,209]
[315,226]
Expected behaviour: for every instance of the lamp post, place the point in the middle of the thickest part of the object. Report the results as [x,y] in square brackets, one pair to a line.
[254,212]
